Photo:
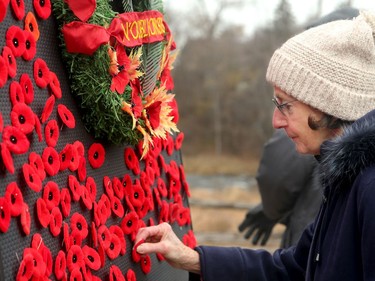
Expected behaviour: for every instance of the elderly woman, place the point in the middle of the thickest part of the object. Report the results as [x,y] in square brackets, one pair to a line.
[324,92]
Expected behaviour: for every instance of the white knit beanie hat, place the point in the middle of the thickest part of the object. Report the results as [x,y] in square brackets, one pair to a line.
[330,67]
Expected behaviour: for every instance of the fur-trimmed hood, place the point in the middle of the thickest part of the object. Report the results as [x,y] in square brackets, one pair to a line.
[344,157]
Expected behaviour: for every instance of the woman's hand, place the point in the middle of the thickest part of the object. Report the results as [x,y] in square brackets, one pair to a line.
[161,239]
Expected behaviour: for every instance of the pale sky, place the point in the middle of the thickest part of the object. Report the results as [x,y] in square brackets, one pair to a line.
[258,12]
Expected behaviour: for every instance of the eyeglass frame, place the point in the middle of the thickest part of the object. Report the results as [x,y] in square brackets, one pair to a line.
[282,107]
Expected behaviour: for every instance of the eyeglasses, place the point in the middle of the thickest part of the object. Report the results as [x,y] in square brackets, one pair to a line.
[285,107]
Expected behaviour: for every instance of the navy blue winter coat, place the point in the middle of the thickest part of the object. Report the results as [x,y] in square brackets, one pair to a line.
[340,244]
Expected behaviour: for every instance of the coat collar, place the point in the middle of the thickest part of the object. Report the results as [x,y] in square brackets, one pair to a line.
[344,157]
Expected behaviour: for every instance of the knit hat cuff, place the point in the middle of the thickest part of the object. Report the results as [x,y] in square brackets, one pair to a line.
[314,90]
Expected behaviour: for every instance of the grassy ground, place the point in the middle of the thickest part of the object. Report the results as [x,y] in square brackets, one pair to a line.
[219,226]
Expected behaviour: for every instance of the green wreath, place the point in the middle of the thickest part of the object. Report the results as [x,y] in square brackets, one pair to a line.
[124,92]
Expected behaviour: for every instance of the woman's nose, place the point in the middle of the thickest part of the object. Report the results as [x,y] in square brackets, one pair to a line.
[278,119]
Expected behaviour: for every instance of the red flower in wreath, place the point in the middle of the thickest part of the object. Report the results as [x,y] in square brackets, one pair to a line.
[5,214]
[51,161]
[60,265]
[42,8]
[35,160]
[96,155]
[75,258]
[7,158]
[31,25]
[51,133]
[3,9]
[3,72]
[15,140]
[65,201]
[31,177]
[18,7]
[27,88]
[15,93]
[51,195]
[115,274]
[135,107]
[120,63]
[56,220]
[91,257]
[15,40]
[41,73]
[131,160]
[44,215]
[10,61]
[79,223]
[15,198]
[54,85]
[25,219]
[30,46]
[22,117]
[48,108]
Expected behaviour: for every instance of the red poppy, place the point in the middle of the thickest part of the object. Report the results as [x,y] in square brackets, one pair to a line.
[15,93]
[135,255]
[66,116]
[51,161]
[96,155]
[189,239]
[127,183]
[86,199]
[7,158]
[3,71]
[78,145]
[35,160]
[48,108]
[31,25]
[38,128]
[79,223]
[74,159]
[76,274]
[115,274]
[32,177]
[152,166]
[54,85]
[60,265]
[75,238]
[22,117]
[94,235]
[157,196]
[162,188]
[15,198]
[101,213]
[91,187]
[185,183]
[26,269]
[18,7]
[66,237]
[44,215]
[55,222]
[3,9]
[10,61]
[130,223]
[118,188]
[25,219]
[117,207]
[116,230]
[136,195]
[41,73]
[114,248]
[106,203]
[5,214]
[91,258]
[65,156]
[15,40]
[146,181]
[130,275]
[42,8]
[65,201]
[173,104]
[27,88]
[169,144]
[107,183]
[131,160]
[51,133]
[179,140]
[104,237]
[51,195]
[145,208]
[164,212]
[75,258]
[145,264]
[74,187]
[30,46]
[40,266]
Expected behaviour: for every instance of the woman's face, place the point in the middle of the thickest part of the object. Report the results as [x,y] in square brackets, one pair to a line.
[292,116]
